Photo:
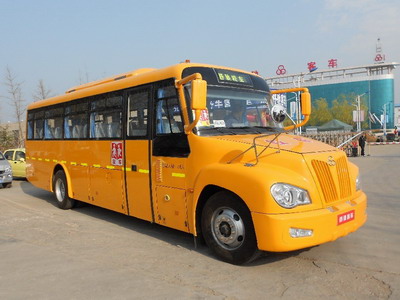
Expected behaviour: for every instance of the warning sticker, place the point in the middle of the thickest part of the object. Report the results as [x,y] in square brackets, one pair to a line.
[204,118]
[346,217]
[116,153]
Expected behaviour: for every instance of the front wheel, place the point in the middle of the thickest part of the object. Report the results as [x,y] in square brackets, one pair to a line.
[60,189]
[228,229]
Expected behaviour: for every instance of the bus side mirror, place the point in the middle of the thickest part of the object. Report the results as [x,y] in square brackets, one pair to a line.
[306,103]
[199,94]
[198,98]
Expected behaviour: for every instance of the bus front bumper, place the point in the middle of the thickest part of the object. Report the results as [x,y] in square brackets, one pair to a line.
[293,231]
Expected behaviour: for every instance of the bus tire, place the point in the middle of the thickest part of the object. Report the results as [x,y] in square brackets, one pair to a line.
[60,188]
[228,228]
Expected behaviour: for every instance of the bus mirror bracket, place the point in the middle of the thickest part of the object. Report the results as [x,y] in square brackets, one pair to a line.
[198,98]
[305,99]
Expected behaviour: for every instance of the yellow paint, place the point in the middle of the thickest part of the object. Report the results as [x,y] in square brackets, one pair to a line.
[180,175]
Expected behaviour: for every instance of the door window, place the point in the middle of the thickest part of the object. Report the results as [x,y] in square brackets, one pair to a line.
[168,114]
[9,155]
[19,155]
[138,102]
[170,139]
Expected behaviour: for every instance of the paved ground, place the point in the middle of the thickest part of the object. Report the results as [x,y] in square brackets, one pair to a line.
[92,253]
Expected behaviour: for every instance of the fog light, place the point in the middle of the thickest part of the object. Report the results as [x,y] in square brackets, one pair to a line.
[298,232]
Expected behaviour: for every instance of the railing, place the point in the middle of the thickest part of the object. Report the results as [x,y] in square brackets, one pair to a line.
[341,140]
[332,138]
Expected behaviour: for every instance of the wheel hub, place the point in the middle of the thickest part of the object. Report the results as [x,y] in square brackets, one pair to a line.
[60,190]
[227,228]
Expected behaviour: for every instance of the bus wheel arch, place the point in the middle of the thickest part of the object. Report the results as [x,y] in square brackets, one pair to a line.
[206,193]
[61,188]
[226,225]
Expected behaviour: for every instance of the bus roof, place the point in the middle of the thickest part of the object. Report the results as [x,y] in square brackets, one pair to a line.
[122,81]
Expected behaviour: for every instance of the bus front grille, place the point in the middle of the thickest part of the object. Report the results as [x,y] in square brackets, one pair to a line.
[333,178]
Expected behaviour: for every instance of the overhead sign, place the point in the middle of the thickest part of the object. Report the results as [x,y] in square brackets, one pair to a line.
[225,76]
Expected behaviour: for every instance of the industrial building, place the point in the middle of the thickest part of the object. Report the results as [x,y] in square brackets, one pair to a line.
[375,82]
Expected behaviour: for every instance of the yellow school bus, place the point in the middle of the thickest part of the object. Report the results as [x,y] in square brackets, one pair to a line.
[198,148]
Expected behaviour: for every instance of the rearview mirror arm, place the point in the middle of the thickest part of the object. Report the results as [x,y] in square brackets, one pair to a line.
[305,112]
[179,85]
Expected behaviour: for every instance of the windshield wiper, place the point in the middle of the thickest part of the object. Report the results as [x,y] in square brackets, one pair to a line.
[224,130]
[258,129]
[254,146]
[245,129]
[270,128]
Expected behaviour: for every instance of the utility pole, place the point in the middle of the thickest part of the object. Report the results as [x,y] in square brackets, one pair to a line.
[357,115]
[384,120]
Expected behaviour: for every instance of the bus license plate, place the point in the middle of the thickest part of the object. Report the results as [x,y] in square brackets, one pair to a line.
[346,217]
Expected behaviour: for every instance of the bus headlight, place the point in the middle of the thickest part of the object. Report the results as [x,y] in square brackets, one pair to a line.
[358,183]
[289,196]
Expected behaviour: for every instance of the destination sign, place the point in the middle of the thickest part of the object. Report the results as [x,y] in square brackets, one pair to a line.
[225,76]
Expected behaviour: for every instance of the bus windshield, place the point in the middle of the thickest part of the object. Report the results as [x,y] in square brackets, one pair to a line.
[236,111]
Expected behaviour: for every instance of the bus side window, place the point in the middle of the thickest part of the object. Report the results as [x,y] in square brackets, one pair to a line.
[30,125]
[53,123]
[75,121]
[38,125]
[137,113]
[105,116]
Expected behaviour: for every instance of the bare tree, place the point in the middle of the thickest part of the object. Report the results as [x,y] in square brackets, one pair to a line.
[7,139]
[14,91]
[83,78]
[41,91]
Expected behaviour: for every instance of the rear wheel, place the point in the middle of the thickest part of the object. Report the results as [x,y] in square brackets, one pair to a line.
[228,229]
[60,188]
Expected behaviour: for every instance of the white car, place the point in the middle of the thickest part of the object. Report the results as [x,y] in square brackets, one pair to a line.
[6,176]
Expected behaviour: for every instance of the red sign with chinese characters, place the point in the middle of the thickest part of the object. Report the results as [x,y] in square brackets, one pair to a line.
[116,153]
[312,66]
[346,217]
[332,63]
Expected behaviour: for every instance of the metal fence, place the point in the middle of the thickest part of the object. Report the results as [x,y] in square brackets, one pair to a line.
[333,138]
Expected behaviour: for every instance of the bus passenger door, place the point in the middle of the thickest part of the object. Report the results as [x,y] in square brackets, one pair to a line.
[137,154]
[170,149]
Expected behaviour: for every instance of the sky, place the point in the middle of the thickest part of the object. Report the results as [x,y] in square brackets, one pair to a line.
[65,43]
